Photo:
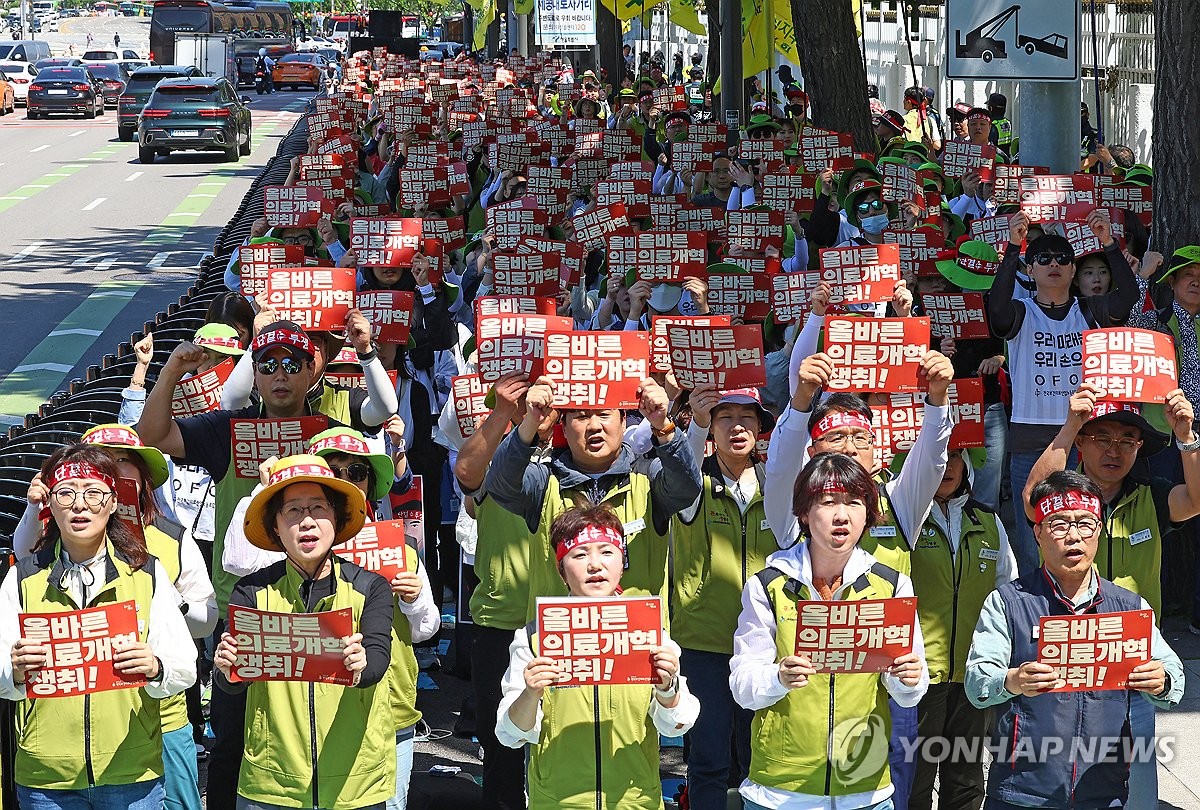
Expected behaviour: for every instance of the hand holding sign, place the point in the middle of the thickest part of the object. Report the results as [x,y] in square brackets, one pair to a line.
[794,671]
[1150,677]
[27,656]
[653,403]
[540,673]
[134,657]
[1180,416]
[816,371]
[1031,679]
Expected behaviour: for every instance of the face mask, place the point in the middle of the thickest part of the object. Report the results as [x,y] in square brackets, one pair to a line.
[874,224]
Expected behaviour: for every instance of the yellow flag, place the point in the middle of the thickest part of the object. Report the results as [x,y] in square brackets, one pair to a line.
[485,12]
[683,13]
[785,31]
[522,6]
[856,10]
[625,9]
[756,39]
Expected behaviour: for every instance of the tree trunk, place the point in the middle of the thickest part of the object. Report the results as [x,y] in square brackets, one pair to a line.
[1177,140]
[834,77]
[712,68]
[608,45]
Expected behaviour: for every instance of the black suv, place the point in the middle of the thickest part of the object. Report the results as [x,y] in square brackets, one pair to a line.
[196,113]
[141,83]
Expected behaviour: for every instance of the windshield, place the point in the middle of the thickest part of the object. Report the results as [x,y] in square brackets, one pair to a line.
[5,50]
[106,71]
[64,75]
[174,18]
[188,93]
[298,57]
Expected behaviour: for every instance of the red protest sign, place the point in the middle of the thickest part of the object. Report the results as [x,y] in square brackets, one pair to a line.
[450,231]
[255,440]
[900,183]
[827,150]
[200,393]
[514,305]
[593,227]
[290,646]
[660,347]
[385,241]
[600,641]
[966,411]
[960,157]
[378,547]
[676,213]
[551,186]
[257,261]
[767,153]
[571,256]
[507,343]
[1057,197]
[897,423]
[633,194]
[1008,181]
[992,230]
[1095,651]
[961,316]
[532,274]
[860,274]
[622,145]
[511,221]
[742,295]
[791,295]
[467,392]
[659,256]
[596,369]
[1138,199]
[294,206]
[79,649]
[315,298]
[876,354]
[390,314]
[432,187]
[353,379]
[694,156]
[1130,365]
[723,356]
[860,636]
[790,191]
[755,230]
[918,250]
[670,97]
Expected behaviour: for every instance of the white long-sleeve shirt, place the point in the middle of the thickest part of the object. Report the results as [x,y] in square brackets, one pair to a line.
[754,671]
[167,633]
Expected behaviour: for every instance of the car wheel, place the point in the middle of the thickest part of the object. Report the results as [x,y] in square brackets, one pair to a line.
[245,148]
[125,134]
[31,115]
[89,113]
[145,154]
[232,152]
[101,110]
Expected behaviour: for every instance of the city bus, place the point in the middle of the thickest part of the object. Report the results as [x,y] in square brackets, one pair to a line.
[253,24]
[340,27]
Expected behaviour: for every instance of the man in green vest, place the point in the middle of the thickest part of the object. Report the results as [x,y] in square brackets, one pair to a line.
[997,107]
[283,373]
[1138,511]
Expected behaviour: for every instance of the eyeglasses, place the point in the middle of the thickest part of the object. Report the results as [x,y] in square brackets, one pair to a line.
[1106,443]
[93,498]
[290,365]
[1061,527]
[356,472]
[874,205]
[321,510]
[860,441]
[305,240]
[761,134]
[1045,258]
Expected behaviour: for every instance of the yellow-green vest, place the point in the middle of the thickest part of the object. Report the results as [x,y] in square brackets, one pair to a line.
[103,738]
[951,589]
[316,744]
[714,556]
[501,599]
[1129,552]
[886,541]
[402,672]
[797,743]
[168,552]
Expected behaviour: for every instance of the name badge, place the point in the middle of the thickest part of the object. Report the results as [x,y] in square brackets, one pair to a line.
[883,531]
[989,553]
[634,526]
[1140,537]
[764,526]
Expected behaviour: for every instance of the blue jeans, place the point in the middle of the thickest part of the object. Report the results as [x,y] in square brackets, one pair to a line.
[1023,543]
[709,769]
[886,804]
[986,488]
[138,796]
[404,762]
[1143,771]
[904,769]
[180,776]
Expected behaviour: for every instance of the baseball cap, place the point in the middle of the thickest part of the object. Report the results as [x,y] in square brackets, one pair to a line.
[1127,413]
[285,334]
[748,396]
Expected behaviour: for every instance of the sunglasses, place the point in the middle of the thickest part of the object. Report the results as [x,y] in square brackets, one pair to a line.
[874,205]
[356,472]
[1045,258]
[290,365]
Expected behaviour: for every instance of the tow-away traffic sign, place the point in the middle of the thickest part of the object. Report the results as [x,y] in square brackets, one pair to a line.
[1004,39]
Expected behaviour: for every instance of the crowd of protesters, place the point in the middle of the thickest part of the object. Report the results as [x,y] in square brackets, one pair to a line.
[740,505]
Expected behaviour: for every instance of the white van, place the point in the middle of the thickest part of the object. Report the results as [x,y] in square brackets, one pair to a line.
[24,50]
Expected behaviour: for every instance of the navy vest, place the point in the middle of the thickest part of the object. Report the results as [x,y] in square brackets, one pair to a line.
[1090,769]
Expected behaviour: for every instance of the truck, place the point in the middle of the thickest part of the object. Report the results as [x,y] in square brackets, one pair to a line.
[211,54]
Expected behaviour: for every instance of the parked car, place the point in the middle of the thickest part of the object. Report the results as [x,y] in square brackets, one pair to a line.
[19,75]
[65,89]
[112,79]
[295,69]
[196,113]
[24,50]
[138,89]
[8,96]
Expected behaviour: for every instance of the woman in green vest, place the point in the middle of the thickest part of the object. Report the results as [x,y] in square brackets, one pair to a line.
[591,747]
[104,748]
[315,745]
[818,739]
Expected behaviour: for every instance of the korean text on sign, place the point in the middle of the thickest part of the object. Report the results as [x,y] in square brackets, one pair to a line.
[859,636]
[660,348]
[390,314]
[876,354]
[468,392]
[255,440]
[513,342]
[596,369]
[659,256]
[385,241]
[600,641]
[1096,650]
[961,316]
[79,649]
[724,356]
[860,274]
[257,262]
[202,392]
[314,298]
[294,206]
[1130,365]
[379,548]
[290,646]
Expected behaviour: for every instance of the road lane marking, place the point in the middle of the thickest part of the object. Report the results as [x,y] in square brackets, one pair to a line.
[78,132]
[133,176]
[30,190]
[94,204]
[59,367]
[40,148]
[28,250]
[88,332]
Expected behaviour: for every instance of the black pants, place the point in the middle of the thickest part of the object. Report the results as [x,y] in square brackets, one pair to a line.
[441,552]
[946,713]
[227,714]
[503,767]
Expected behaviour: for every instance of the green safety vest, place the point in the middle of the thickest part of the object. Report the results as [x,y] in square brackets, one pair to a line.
[229,492]
[598,749]
[103,738]
[1003,133]
[316,744]
[798,743]
[886,542]
[1153,412]
[1129,552]
[645,549]
[402,672]
[169,552]
[714,556]
[501,599]
[951,588]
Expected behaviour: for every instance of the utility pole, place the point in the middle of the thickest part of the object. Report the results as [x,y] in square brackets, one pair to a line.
[731,60]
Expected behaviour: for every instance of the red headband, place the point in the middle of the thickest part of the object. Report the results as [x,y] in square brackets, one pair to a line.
[590,534]
[1068,502]
[837,419]
[79,469]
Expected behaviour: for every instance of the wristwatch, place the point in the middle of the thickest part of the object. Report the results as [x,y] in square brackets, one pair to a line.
[1195,443]
[672,690]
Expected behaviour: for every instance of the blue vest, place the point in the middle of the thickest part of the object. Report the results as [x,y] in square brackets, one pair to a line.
[1029,768]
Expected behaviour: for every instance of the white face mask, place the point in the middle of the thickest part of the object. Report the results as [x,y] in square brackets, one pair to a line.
[874,224]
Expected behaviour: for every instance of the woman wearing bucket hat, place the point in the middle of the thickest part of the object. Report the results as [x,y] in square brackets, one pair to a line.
[315,745]
[99,749]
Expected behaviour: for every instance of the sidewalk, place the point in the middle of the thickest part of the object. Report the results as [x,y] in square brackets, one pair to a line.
[1179,779]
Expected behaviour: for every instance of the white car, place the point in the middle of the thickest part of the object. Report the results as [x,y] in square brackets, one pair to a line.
[19,75]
